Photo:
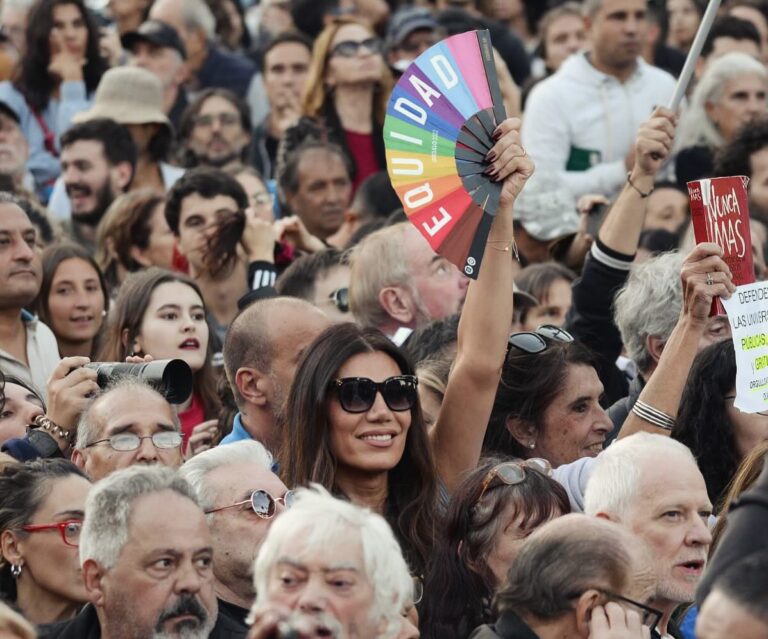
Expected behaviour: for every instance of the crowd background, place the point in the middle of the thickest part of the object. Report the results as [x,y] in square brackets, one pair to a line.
[373,445]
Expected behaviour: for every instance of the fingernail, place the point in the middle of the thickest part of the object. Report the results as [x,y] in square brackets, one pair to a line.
[490,156]
[497,134]
[489,170]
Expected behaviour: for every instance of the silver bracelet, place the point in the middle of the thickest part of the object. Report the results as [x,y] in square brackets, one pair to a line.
[653,415]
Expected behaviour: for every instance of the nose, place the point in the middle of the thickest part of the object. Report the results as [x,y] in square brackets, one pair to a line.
[31,412]
[699,533]
[188,578]
[603,424]
[313,598]
[379,411]
[757,105]
[23,252]
[146,452]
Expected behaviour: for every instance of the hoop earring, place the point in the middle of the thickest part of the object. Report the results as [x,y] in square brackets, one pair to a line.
[15,570]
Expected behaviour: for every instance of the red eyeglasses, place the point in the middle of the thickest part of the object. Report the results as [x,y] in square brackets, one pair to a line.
[69,530]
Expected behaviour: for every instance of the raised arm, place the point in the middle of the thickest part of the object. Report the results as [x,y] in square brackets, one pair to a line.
[484,327]
[665,387]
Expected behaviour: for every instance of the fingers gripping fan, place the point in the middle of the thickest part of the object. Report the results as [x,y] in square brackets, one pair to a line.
[439,126]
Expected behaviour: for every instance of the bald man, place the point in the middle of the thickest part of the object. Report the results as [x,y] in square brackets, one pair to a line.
[263,346]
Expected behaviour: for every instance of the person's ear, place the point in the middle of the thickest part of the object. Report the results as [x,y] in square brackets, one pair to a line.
[182,74]
[122,174]
[655,346]
[712,111]
[253,386]
[10,548]
[583,609]
[397,305]
[523,432]
[608,516]
[138,255]
[134,348]
[78,459]
[93,579]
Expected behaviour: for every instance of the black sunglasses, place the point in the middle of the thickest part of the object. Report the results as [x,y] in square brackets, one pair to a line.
[349,48]
[357,394]
[533,341]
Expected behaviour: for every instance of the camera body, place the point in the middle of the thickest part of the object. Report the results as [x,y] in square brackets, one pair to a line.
[172,378]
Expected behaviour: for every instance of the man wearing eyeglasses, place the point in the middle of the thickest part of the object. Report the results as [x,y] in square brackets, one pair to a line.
[129,424]
[241,497]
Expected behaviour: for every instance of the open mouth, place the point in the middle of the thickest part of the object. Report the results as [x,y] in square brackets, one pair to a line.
[594,449]
[190,345]
[378,440]
[83,319]
[694,567]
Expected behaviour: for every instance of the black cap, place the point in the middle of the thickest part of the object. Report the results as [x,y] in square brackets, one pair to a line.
[406,21]
[157,33]
[7,109]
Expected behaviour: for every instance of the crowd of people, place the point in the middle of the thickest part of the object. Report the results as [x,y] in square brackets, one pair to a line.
[359,441]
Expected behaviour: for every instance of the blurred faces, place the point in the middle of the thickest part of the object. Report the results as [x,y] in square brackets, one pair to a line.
[333,584]
[129,13]
[749,429]
[75,301]
[160,243]
[718,328]
[285,74]
[20,409]
[722,618]
[743,98]
[725,44]
[162,583]
[142,413]
[69,32]
[574,425]
[374,441]
[165,62]
[758,185]
[364,67]
[174,326]
[91,183]
[755,16]
[323,193]
[20,268]
[13,20]
[239,532]
[553,307]
[414,44]
[218,137]
[198,220]
[667,209]
[440,286]
[617,31]
[259,198]
[51,568]
[669,512]
[14,150]
[564,37]
[684,18]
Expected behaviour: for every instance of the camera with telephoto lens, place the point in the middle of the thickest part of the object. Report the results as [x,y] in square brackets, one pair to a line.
[172,378]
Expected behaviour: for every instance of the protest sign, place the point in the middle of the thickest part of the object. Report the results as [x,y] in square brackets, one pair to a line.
[748,314]
[720,214]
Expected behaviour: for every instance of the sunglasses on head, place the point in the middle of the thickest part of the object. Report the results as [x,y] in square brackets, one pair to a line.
[358,394]
[350,48]
[512,473]
[340,298]
[262,503]
[533,341]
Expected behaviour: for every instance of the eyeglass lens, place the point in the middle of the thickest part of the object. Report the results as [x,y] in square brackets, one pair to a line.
[129,441]
[349,48]
[357,395]
[528,342]
[264,505]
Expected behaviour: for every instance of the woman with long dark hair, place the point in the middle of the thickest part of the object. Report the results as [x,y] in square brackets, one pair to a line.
[719,434]
[548,401]
[56,79]
[73,299]
[163,314]
[42,506]
[354,422]
[489,516]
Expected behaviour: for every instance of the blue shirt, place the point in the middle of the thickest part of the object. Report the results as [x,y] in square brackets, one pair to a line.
[238,432]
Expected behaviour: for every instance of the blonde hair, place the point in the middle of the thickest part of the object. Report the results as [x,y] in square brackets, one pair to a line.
[316,94]
[377,262]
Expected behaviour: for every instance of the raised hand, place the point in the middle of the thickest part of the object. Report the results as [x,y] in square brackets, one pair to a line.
[509,161]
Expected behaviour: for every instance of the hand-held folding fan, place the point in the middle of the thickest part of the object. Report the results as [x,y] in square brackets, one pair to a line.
[439,126]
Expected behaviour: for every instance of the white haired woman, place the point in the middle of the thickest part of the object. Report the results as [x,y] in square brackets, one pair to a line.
[337,560]
[731,92]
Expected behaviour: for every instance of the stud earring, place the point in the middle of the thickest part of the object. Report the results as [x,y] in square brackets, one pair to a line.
[532,445]
[15,570]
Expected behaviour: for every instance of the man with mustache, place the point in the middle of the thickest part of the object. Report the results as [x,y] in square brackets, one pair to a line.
[147,560]
[652,485]
[98,160]
[581,122]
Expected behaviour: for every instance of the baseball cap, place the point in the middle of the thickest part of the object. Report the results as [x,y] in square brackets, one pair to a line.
[7,109]
[156,33]
[546,208]
[406,21]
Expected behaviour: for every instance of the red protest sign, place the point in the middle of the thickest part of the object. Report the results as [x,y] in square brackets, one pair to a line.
[720,214]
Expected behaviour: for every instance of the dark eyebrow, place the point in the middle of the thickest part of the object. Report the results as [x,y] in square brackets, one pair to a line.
[77,514]
[118,430]
[169,306]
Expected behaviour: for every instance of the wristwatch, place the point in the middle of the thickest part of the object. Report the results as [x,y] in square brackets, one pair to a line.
[45,445]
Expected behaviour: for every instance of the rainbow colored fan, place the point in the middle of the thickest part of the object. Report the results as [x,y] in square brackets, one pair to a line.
[438,130]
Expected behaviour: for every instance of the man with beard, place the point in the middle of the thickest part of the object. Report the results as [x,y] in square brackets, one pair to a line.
[28,349]
[262,348]
[241,497]
[215,131]
[98,160]
[578,122]
[652,485]
[147,560]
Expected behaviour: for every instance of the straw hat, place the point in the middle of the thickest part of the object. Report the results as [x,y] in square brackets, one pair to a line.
[127,95]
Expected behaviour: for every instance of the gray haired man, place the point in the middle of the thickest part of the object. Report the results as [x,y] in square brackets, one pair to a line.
[147,561]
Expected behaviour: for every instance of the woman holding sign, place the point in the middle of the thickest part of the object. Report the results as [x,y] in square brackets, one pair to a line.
[354,422]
